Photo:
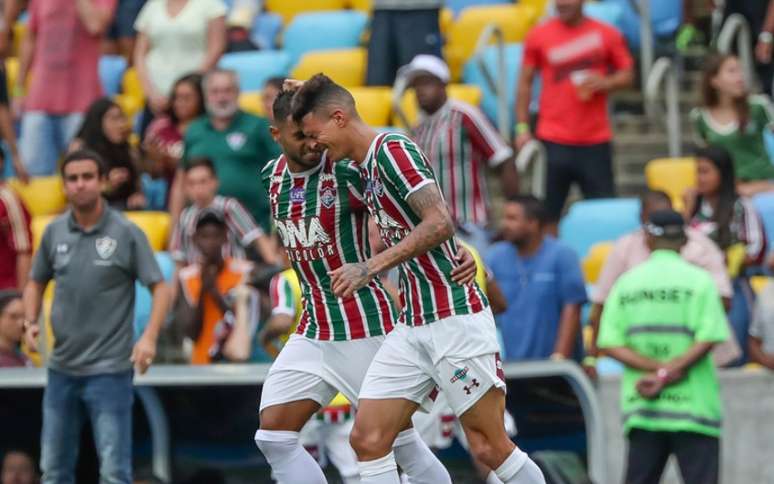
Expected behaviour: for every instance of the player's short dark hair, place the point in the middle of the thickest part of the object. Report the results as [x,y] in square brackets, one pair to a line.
[651,196]
[317,92]
[7,296]
[533,207]
[82,155]
[275,82]
[210,217]
[283,106]
[200,163]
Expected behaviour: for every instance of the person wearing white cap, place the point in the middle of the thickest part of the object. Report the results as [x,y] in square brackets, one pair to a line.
[460,143]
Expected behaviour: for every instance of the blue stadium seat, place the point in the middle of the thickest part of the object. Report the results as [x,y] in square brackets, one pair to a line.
[768,139]
[608,12]
[142,296]
[255,67]
[764,204]
[666,17]
[266,28]
[323,30]
[592,221]
[472,75]
[456,6]
[111,72]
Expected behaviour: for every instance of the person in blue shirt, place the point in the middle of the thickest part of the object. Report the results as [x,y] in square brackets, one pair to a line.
[542,281]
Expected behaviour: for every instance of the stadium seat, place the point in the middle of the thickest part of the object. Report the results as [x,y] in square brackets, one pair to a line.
[673,176]
[608,12]
[373,104]
[19,32]
[540,6]
[143,301]
[323,30]
[255,67]
[345,66]
[42,195]
[759,282]
[156,225]
[591,221]
[595,260]
[252,103]
[111,72]
[462,92]
[11,72]
[445,21]
[456,6]
[266,28]
[288,9]
[38,225]
[764,204]
[666,17]
[472,74]
[362,5]
[514,21]
[131,85]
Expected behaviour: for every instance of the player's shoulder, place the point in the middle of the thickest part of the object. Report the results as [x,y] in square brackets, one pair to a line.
[397,142]
[271,167]
[468,112]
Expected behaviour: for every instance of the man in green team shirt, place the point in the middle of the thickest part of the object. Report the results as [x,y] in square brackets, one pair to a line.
[661,320]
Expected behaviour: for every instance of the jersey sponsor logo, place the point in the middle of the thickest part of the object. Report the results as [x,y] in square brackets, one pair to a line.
[460,374]
[276,180]
[389,227]
[297,194]
[236,140]
[326,177]
[328,197]
[106,246]
[305,239]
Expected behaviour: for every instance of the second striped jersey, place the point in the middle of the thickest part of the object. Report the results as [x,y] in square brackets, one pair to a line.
[322,220]
[393,170]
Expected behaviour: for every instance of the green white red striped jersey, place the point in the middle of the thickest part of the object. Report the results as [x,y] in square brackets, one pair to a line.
[322,220]
[460,143]
[394,169]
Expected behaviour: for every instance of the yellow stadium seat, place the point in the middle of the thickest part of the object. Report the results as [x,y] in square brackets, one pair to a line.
[252,103]
[19,31]
[131,85]
[38,225]
[156,225]
[462,92]
[345,66]
[540,6]
[11,72]
[362,5]
[42,195]
[288,9]
[673,176]
[759,282]
[514,21]
[373,104]
[595,260]
[129,105]
[445,21]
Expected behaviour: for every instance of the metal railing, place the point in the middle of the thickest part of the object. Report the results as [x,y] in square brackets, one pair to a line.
[664,73]
[736,30]
[532,157]
[647,47]
[241,375]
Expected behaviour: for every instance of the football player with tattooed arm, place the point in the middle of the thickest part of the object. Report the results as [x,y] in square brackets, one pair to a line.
[446,335]
[318,206]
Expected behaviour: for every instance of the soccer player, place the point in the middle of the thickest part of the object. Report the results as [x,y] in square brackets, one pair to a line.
[318,208]
[447,334]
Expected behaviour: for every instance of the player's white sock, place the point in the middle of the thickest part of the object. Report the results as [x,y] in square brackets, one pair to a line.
[492,478]
[289,461]
[379,471]
[417,460]
[518,468]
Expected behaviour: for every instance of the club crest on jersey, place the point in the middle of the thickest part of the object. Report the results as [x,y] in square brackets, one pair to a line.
[236,140]
[297,194]
[328,197]
[378,187]
[106,246]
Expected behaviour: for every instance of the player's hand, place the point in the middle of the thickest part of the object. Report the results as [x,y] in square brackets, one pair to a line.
[143,353]
[594,83]
[465,272]
[349,278]
[649,386]
[31,337]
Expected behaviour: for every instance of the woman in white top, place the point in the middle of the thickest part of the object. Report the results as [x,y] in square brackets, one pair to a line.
[175,38]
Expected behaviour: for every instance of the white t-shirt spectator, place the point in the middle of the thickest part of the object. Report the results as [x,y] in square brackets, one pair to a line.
[178,44]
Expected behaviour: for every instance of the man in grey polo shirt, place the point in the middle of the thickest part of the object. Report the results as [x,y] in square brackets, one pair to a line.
[95,255]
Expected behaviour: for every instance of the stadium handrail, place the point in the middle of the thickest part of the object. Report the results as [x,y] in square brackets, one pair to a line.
[255,374]
[533,156]
[664,73]
[499,83]
[647,48]
[736,29]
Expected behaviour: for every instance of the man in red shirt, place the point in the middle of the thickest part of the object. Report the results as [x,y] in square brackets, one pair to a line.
[60,53]
[15,238]
[580,61]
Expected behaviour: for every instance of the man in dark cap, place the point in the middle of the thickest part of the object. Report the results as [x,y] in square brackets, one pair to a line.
[661,320]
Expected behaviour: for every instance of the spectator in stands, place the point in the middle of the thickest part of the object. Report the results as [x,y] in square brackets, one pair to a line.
[11,329]
[217,309]
[732,118]
[8,17]
[175,38]
[760,18]
[761,340]
[15,237]
[661,320]
[238,143]
[460,143]
[271,90]
[163,144]
[401,30]
[106,131]
[95,255]
[18,468]
[201,186]
[542,283]
[580,61]
[59,54]
[121,35]
[715,209]
[632,249]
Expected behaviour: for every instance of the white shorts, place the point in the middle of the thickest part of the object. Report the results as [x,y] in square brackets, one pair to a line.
[459,354]
[308,369]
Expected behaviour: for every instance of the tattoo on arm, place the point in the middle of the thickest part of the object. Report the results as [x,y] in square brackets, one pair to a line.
[426,197]
[363,268]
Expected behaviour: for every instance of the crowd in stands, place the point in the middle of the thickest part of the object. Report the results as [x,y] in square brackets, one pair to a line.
[193,152]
